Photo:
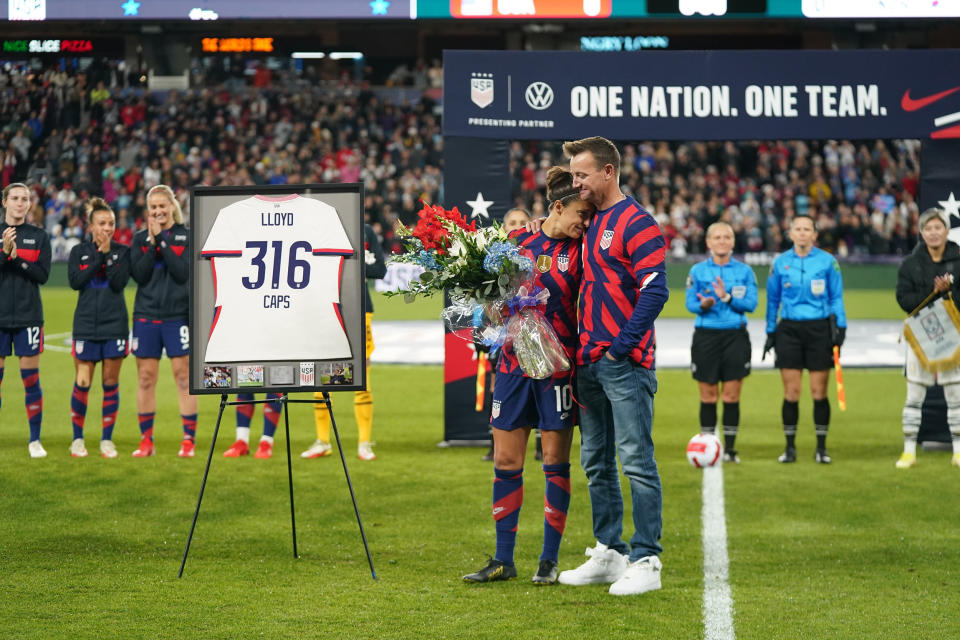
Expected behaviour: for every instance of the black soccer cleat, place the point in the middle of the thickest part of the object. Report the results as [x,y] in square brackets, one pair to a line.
[822,457]
[494,571]
[730,456]
[789,455]
[546,574]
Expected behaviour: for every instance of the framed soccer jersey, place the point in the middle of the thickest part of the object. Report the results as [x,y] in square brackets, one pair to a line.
[277,289]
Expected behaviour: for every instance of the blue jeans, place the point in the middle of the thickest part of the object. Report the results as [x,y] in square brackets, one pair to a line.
[617,420]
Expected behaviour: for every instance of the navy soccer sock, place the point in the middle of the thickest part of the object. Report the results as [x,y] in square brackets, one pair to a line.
[507,500]
[556,501]
[111,405]
[189,426]
[271,416]
[146,424]
[33,399]
[78,409]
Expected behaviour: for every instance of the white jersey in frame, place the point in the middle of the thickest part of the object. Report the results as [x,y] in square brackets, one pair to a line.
[276,264]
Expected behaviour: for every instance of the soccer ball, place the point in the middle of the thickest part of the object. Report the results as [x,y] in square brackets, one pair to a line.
[704,450]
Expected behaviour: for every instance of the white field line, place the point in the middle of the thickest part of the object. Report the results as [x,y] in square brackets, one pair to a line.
[717,601]
[58,342]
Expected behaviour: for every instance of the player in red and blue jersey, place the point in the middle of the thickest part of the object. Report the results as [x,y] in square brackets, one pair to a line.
[624,288]
[521,403]
[24,266]
[98,269]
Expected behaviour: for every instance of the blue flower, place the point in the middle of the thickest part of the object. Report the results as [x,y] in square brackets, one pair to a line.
[497,253]
[523,262]
[427,260]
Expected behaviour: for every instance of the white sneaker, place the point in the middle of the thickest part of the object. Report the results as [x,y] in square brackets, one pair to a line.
[36,449]
[604,566]
[365,451]
[77,450]
[108,449]
[318,449]
[641,576]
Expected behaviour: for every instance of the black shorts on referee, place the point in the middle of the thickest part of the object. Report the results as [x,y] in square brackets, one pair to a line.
[720,355]
[804,344]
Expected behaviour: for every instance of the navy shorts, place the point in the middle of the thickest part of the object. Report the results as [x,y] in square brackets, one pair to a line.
[98,350]
[151,337]
[25,342]
[519,401]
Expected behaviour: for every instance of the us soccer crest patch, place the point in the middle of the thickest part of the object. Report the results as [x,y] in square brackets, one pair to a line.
[606,239]
[563,262]
[481,89]
[544,262]
[495,410]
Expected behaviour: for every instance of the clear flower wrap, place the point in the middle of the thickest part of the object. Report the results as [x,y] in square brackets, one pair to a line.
[535,344]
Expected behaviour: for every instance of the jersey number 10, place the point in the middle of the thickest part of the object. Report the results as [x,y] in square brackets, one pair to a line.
[298,270]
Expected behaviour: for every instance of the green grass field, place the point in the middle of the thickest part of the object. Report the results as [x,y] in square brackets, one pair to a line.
[91,547]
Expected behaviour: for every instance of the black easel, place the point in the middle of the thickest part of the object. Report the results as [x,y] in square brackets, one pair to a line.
[286,418]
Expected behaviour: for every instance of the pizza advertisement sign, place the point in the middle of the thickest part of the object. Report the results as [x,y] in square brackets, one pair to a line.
[276,286]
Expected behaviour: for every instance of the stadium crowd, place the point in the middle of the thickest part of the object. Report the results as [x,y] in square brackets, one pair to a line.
[74,135]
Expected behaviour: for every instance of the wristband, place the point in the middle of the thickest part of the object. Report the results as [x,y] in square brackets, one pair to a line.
[727,298]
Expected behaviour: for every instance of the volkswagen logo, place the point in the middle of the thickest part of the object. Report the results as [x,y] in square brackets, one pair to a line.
[539,95]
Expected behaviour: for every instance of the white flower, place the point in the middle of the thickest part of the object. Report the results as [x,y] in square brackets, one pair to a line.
[481,240]
[456,248]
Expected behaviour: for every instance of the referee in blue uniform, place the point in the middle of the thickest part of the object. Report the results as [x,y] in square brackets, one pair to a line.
[806,287]
[720,291]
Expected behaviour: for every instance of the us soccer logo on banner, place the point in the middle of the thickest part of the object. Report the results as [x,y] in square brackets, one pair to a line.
[481,89]
[563,262]
[606,239]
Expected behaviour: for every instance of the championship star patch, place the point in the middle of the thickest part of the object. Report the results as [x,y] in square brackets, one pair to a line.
[563,262]
[544,262]
[606,239]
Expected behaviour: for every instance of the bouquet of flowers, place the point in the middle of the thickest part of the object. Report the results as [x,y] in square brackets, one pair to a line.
[490,283]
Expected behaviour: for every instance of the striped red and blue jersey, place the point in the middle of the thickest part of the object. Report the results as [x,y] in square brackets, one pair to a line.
[624,285]
[557,267]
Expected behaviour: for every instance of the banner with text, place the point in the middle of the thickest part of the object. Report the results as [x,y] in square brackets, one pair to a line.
[702,95]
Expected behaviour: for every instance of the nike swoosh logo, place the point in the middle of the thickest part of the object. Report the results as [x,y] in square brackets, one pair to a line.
[911,104]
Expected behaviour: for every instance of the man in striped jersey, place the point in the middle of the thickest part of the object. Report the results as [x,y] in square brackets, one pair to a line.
[623,290]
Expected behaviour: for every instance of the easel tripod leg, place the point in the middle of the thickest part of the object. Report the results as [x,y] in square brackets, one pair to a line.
[293,521]
[353,497]
[203,485]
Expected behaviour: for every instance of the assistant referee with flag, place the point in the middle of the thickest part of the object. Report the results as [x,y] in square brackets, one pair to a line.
[805,286]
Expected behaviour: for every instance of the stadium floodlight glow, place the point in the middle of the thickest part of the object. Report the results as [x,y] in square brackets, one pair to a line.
[308,55]
[346,55]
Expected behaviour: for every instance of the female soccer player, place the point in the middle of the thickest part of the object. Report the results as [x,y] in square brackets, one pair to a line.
[98,269]
[521,403]
[720,291]
[933,267]
[806,287]
[24,266]
[159,263]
